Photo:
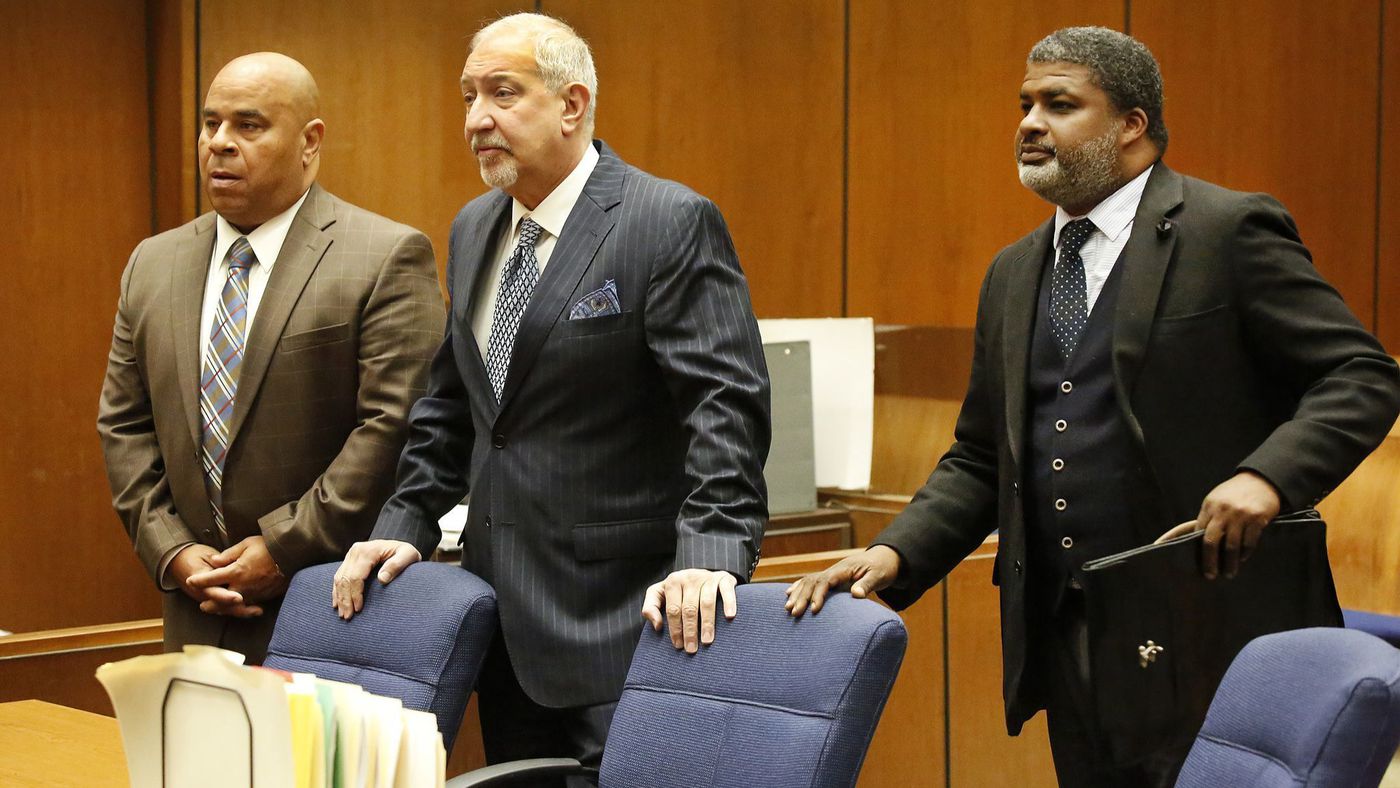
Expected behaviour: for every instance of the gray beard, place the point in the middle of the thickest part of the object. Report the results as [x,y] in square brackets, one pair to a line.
[1077,176]
[501,176]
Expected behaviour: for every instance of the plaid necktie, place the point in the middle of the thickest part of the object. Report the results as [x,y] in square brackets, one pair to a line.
[1069,296]
[219,382]
[517,283]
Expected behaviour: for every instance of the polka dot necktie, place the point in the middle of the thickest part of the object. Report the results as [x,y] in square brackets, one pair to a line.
[219,382]
[517,284]
[1069,296]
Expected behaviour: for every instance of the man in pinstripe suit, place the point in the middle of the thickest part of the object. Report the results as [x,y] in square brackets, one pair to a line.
[601,393]
[326,348]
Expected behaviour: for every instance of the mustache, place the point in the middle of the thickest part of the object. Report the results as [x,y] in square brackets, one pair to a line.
[480,141]
[1034,147]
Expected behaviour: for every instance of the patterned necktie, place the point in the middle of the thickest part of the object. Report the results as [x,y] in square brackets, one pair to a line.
[222,359]
[517,283]
[1069,296]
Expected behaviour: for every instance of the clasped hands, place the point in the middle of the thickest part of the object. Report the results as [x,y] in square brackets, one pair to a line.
[231,582]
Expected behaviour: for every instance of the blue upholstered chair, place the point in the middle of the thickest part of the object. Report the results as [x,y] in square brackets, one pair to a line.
[1312,707]
[1385,627]
[420,639]
[776,702]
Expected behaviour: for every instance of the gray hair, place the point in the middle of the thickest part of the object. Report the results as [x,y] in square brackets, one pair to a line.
[1119,64]
[561,55]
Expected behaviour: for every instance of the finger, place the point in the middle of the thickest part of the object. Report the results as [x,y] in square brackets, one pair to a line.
[671,593]
[690,615]
[1179,530]
[798,599]
[727,584]
[344,597]
[651,607]
[709,592]
[820,589]
[234,610]
[1252,532]
[871,580]
[213,577]
[222,597]
[398,561]
[1210,548]
[1233,537]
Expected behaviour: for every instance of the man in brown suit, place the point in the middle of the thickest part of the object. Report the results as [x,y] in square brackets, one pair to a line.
[262,366]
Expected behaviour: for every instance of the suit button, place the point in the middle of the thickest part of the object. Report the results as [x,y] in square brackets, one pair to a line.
[1067,543]
[1066,387]
[1061,504]
[488,521]
[498,440]
[1015,488]
[1016,567]
[1058,464]
[1061,425]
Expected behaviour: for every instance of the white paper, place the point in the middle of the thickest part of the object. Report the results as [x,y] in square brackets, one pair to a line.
[418,752]
[843,393]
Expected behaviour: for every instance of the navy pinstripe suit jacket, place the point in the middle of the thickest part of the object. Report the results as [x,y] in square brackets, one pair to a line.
[624,446]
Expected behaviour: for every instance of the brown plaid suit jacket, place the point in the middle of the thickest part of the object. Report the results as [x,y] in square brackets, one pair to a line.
[336,356]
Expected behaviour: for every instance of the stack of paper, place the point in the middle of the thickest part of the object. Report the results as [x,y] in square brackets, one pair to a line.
[202,718]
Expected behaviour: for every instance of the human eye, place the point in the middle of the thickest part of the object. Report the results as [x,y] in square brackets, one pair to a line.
[468,98]
[1025,108]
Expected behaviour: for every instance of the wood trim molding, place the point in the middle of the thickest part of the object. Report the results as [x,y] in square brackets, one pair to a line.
[62,641]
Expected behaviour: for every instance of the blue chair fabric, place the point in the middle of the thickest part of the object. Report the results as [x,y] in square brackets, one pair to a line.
[1310,707]
[775,701]
[1385,627]
[421,638]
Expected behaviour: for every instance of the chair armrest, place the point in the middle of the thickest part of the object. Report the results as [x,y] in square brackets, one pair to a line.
[517,772]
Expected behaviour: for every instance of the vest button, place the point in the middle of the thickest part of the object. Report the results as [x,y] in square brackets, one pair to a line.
[1058,464]
[1061,425]
[1066,387]
[1016,567]
[1067,543]
[499,441]
[1061,504]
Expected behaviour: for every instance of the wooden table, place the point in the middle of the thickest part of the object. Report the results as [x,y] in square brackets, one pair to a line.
[42,744]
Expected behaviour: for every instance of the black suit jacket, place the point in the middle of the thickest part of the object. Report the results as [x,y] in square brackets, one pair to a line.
[624,446]
[1230,352]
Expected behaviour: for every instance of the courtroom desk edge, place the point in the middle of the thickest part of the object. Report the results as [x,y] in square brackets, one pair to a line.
[91,638]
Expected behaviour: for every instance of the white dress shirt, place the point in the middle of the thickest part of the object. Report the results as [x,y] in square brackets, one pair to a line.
[550,215]
[1113,224]
[267,242]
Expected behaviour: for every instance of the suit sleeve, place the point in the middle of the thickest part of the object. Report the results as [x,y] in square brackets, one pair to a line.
[433,470]
[956,509]
[1302,333]
[135,468]
[400,323]
[701,330]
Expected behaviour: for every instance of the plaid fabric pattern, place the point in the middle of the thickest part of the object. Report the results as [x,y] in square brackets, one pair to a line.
[517,284]
[219,381]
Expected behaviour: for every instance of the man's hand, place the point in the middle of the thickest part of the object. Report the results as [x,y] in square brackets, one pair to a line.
[868,572]
[348,588]
[191,561]
[688,599]
[247,571]
[1233,516]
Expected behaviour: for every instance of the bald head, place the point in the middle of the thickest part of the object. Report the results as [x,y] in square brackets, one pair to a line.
[260,144]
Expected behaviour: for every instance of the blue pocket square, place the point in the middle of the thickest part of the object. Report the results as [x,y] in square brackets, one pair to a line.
[598,303]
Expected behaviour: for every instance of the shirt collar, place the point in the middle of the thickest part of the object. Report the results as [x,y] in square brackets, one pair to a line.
[266,239]
[553,211]
[1114,214]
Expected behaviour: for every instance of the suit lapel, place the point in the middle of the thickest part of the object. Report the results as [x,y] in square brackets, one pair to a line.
[302,251]
[188,276]
[1145,260]
[1019,316]
[588,224]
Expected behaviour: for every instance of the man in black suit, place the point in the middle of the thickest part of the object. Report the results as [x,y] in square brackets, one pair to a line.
[1160,351]
[601,392]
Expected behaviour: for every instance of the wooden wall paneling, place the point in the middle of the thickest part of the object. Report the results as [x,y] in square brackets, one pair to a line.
[1363,532]
[170,55]
[933,192]
[75,200]
[979,752]
[1388,275]
[742,102]
[1280,98]
[389,77]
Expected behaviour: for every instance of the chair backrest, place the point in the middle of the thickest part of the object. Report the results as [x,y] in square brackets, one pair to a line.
[1383,626]
[1307,707]
[774,701]
[420,639]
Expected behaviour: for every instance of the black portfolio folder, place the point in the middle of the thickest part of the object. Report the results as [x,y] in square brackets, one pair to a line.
[1161,635]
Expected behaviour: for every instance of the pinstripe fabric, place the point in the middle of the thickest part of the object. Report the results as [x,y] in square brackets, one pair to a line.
[335,358]
[624,445]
